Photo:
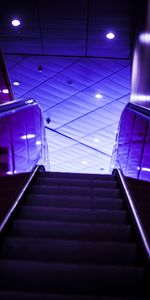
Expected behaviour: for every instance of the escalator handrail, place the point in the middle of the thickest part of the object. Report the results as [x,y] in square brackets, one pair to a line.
[16,104]
[139,225]
[19,197]
[144,111]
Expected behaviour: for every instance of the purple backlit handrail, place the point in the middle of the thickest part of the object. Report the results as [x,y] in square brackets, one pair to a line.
[16,104]
[131,152]
[23,138]
[141,110]
[19,197]
[135,214]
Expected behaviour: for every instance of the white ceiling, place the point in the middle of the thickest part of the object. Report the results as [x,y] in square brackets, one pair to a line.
[67,38]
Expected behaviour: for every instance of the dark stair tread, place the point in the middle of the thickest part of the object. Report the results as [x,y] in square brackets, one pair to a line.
[76,182]
[11,295]
[80,231]
[71,239]
[68,190]
[83,252]
[79,202]
[71,278]
[77,176]
[73,215]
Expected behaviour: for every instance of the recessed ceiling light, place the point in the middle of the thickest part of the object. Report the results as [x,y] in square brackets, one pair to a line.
[84,162]
[5,91]
[98,96]
[16,83]
[96,140]
[110,35]
[15,22]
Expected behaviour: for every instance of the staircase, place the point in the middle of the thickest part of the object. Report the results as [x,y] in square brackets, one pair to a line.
[72,238]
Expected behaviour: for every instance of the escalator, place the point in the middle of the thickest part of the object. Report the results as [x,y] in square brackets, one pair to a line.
[23,141]
[71,237]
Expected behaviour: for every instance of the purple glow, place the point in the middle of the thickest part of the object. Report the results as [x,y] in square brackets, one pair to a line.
[26,154]
[140,85]
[144,38]
[136,97]
[38,143]
[28,136]
[29,101]
[132,150]
[5,91]
[9,172]
[146,169]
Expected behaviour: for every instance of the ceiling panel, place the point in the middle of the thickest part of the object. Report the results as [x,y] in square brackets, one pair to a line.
[63,27]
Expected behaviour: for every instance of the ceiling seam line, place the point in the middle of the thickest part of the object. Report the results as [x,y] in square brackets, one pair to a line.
[115,72]
[78,142]
[17,63]
[50,78]
[70,56]
[91,111]
[93,132]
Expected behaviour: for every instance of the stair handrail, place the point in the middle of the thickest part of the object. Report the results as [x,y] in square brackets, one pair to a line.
[132,115]
[16,104]
[145,111]
[19,196]
[136,217]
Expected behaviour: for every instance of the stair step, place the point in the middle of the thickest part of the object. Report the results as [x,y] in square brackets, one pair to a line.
[75,231]
[71,278]
[72,201]
[74,176]
[76,182]
[73,215]
[72,239]
[67,190]
[69,251]
[5,295]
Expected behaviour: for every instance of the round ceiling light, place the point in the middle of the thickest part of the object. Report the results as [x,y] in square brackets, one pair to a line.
[15,22]
[16,83]
[84,162]
[98,96]
[96,140]
[110,35]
